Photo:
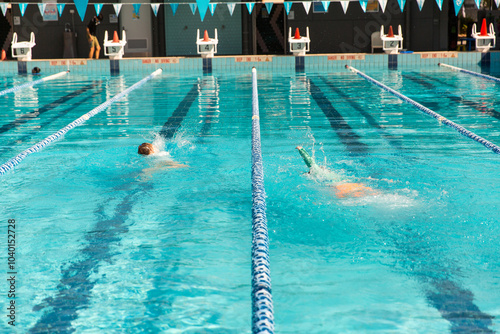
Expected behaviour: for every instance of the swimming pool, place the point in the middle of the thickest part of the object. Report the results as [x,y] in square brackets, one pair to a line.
[111,241]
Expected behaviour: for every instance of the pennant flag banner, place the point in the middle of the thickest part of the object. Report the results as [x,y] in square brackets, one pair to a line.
[41,7]
[497,2]
[440,4]
[174,7]
[250,7]
[326,4]
[458,4]
[136,12]
[307,6]
[60,8]
[202,8]
[344,4]
[420,4]
[478,2]
[382,3]
[4,7]
[22,7]
[287,5]
[81,7]
[231,6]
[193,7]
[117,8]
[154,7]
[269,6]
[402,4]
[212,6]
[98,7]
[363,5]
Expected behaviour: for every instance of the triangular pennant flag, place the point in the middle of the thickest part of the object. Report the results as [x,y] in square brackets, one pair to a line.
[22,7]
[193,7]
[363,5]
[212,6]
[382,3]
[174,7]
[288,5]
[269,6]
[477,3]
[202,8]
[344,4]
[60,8]
[98,7]
[497,2]
[117,8]
[250,7]
[325,5]
[402,4]
[307,6]
[136,11]
[154,7]
[81,7]
[440,4]
[4,7]
[458,4]
[420,4]
[231,6]
[41,7]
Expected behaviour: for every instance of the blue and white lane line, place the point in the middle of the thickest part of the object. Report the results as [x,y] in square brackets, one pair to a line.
[426,110]
[32,83]
[262,300]
[37,147]
[484,76]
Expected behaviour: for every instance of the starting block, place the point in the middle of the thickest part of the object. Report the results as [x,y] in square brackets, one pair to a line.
[114,48]
[484,40]
[391,43]
[206,46]
[299,45]
[22,50]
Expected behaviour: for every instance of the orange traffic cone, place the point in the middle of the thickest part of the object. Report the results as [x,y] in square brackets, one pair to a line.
[205,37]
[297,34]
[391,33]
[115,38]
[484,31]
[4,55]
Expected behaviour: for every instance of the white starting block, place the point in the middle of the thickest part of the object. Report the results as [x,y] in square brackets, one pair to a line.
[206,46]
[114,48]
[391,43]
[299,45]
[22,50]
[484,40]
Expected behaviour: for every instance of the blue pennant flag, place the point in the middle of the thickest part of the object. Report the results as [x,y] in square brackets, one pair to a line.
[202,8]
[288,5]
[403,2]
[363,5]
[326,4]
[458,4]
[212,6]
[98,7]
[250,7]
[193,7]
[420,4]
[269,6]
[60,8]
[81,7]
[154,7]
[440,4]
[174,7]
[136,12]
[22,7]
[41,7]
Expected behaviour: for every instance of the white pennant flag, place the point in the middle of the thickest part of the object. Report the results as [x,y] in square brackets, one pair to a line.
[193,7]
[231,6]
[478,2]
[117,8]
[307,6]
[344,4]
[382,3]
[41,7]
[154,7]
[211,7]
[420,4]
[497,2]
[4,7]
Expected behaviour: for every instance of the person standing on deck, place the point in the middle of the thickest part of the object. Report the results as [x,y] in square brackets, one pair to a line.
[92,38]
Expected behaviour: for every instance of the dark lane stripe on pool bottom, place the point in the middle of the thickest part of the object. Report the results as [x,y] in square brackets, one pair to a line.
[34,114]
[347,136]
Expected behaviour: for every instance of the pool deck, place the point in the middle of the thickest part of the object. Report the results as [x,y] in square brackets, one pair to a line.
[239,64]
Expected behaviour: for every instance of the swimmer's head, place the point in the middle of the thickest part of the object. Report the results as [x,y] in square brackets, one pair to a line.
[147,149]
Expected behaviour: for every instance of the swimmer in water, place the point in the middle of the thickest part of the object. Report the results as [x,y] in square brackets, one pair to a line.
[150,149]
[346,189]
[147,149]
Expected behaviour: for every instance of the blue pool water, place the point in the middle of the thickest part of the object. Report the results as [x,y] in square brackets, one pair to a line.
[109,241]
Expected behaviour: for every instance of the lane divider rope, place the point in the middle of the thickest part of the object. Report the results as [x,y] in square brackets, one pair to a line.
[484,76]
[37,147]
[32,83]
[262,301]
[428,111]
